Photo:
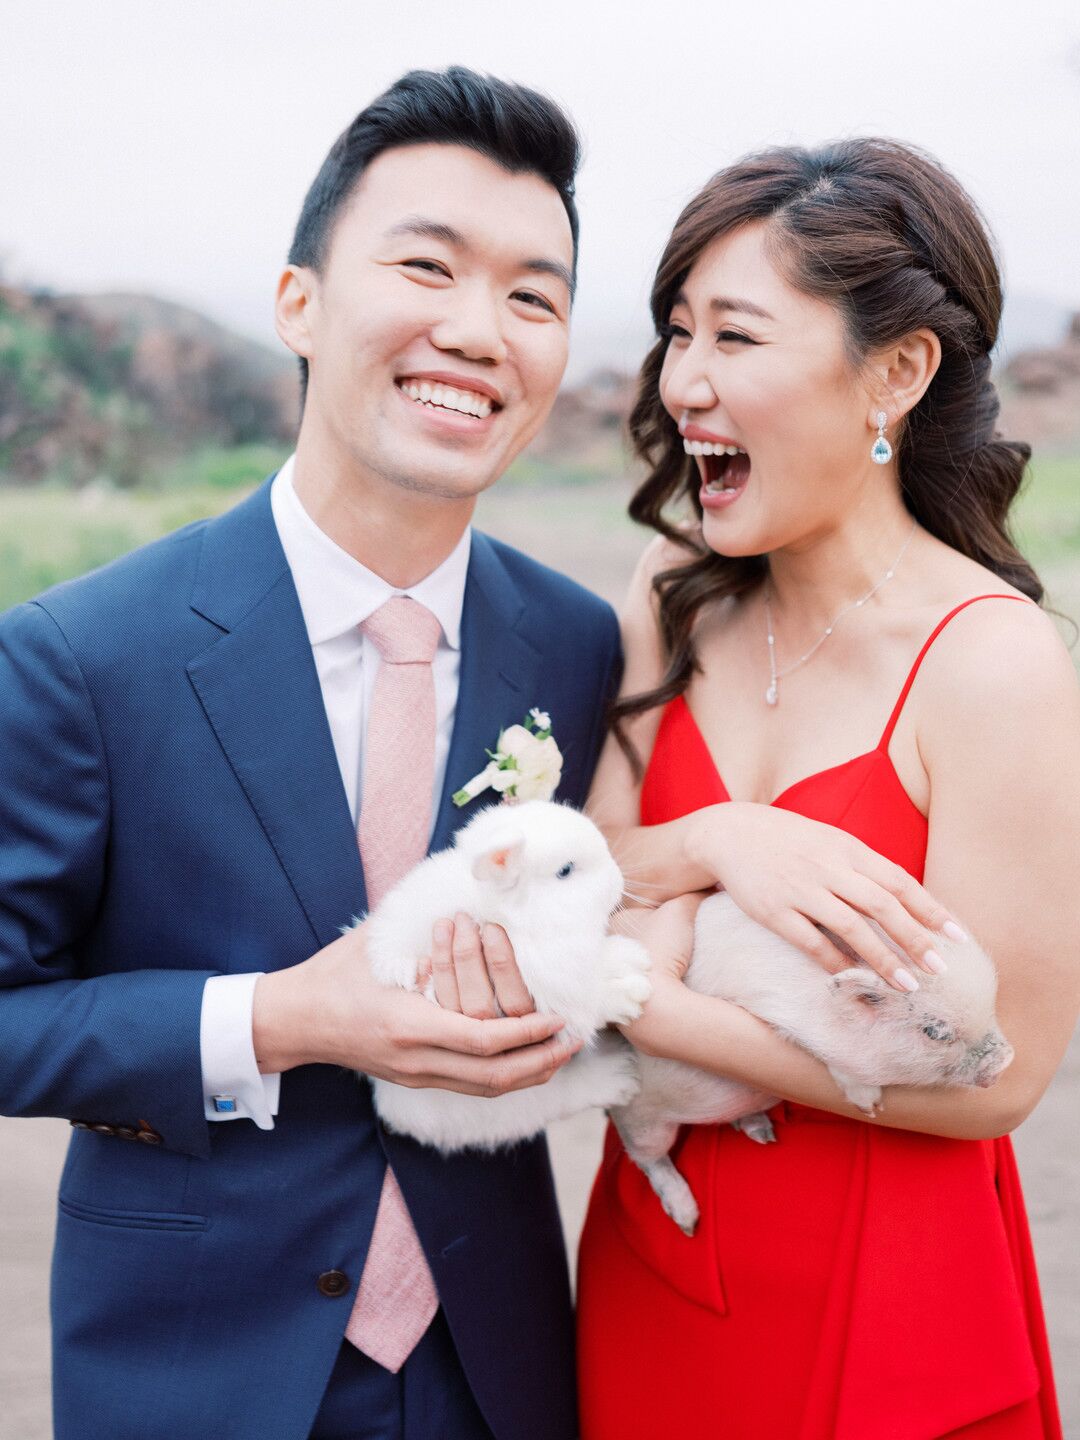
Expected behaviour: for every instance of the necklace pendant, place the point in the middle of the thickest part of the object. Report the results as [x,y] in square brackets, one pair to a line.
[771,696]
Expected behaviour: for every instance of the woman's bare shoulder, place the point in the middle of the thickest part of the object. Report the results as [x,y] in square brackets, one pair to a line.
[1002,654]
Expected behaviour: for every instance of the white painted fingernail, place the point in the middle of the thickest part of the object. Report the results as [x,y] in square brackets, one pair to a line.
[933,961]
[905,980]
[953,931]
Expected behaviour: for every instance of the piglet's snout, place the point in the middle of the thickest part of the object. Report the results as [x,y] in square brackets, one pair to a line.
[993,1055]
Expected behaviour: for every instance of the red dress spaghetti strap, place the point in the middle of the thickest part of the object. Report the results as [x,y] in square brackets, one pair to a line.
[847,1283]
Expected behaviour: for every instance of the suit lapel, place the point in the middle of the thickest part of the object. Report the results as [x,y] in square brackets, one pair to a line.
[500,671]
[259,689]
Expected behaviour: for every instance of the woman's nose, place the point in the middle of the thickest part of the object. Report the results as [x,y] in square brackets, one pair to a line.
[686,385]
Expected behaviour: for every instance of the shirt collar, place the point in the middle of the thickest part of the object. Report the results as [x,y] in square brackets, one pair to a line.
[336,592]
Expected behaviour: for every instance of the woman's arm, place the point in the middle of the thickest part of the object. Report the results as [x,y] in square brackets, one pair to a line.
[1001,743]
[789,873]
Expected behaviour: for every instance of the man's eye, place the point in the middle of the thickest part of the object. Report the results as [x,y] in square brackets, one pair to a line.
[531,298]
[433,267]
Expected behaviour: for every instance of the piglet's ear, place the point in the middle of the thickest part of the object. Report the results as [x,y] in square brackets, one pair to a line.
[500,863]
[861,988]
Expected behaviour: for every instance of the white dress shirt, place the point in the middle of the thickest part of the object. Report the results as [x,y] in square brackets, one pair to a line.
[336,595]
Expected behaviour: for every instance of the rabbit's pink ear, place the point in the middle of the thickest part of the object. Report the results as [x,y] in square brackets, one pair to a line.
[500,863]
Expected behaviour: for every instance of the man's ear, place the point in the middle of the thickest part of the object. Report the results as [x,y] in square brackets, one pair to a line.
[862,990]
[500,864]
[294,296]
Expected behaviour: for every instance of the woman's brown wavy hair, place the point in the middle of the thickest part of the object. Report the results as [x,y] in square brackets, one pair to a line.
[885,234]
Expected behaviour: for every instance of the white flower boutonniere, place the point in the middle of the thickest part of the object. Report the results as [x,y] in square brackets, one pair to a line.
[526,764]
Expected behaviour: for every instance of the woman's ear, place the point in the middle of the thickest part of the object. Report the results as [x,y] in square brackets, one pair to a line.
[902,375]
[291,317]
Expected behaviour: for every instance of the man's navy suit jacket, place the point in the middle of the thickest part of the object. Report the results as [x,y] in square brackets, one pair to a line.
[171,809]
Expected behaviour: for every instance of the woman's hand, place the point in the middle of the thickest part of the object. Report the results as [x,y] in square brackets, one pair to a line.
[667,932]
[801,879]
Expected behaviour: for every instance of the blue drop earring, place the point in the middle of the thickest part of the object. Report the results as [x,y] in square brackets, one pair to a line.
[881,451]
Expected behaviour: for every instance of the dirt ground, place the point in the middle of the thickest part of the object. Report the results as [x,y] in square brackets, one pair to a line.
[587,536]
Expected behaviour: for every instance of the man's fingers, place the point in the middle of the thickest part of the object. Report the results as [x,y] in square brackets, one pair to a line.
[472,1075]
[510,989]
[484,1038]
[442,965]
[474,988]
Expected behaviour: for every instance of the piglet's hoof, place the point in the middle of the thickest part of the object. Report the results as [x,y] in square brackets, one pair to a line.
[758,1127]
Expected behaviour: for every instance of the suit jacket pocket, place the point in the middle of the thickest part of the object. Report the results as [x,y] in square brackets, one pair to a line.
[132,1219]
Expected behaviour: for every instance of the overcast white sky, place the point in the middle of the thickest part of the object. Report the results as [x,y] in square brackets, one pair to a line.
[167,148]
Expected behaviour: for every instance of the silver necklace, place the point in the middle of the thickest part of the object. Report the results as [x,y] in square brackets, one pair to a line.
[772,694]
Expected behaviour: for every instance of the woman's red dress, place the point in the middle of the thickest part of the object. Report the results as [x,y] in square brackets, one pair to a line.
[847,1283]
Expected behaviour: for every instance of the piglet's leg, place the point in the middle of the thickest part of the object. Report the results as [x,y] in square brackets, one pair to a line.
[866,1097]
[757,1126]
[647,1141]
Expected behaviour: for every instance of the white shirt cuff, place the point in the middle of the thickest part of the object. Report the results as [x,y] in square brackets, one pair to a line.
[233,1088]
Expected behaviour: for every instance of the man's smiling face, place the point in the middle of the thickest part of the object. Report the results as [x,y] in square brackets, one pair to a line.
[436,331]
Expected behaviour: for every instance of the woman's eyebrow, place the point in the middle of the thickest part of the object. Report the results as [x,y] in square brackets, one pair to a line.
[724,302]
[427,229]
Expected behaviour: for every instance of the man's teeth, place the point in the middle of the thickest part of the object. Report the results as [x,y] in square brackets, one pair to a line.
[707,447]
[468,402]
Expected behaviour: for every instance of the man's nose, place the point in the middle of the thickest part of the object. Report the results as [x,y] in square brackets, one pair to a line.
[471,326]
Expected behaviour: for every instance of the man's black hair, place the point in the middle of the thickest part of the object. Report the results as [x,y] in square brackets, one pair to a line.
[517,128]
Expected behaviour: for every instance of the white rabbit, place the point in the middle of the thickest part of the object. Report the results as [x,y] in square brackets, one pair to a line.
[544,873]
[867,1033]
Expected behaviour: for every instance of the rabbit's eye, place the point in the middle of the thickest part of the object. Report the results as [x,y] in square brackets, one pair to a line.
[567,869]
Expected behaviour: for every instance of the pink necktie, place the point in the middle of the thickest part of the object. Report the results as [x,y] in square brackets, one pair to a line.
[396,1300]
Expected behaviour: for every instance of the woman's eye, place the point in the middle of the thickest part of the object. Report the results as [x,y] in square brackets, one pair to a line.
[567,869]
[674,332]
[723,335]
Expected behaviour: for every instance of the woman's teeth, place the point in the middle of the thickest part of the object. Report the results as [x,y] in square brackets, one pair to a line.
[466,402]
[707,447]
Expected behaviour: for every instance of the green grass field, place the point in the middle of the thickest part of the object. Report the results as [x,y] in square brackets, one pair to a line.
[575,521]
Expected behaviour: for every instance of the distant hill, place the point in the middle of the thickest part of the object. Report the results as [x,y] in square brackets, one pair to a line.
[114,386]
[122,387]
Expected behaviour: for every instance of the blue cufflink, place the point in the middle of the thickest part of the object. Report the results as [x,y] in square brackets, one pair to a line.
[225,1104]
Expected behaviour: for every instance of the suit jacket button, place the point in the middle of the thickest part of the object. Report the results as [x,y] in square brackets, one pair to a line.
[333,1283]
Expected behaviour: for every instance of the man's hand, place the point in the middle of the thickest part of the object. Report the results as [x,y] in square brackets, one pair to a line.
[330,1010]
[475,971]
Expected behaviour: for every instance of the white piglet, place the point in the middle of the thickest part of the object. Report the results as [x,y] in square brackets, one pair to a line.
[544,873]
[867,1033]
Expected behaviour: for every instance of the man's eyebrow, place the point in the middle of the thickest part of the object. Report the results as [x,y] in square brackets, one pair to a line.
[724,302]
[436,230]
[555,268]
[429,230]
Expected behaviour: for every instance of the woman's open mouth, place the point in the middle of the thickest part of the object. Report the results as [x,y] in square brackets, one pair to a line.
[724,468]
